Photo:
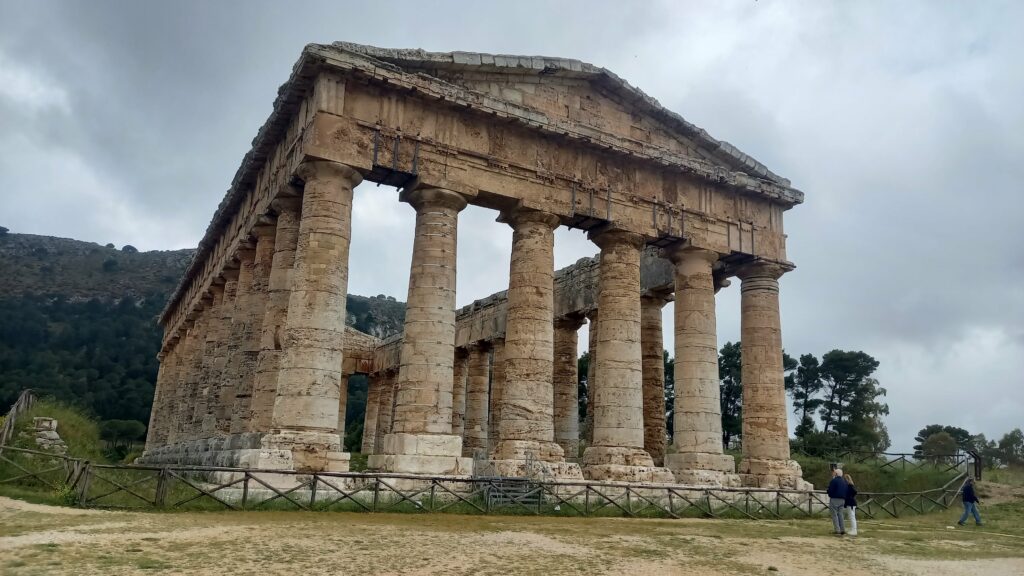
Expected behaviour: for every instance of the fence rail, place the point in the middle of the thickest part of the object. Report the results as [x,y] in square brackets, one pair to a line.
[20,406]
[206,487]
[965,461]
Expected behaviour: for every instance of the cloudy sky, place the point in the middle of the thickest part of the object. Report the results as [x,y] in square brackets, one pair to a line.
[902,122]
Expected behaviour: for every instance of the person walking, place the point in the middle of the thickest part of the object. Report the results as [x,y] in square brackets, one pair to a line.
[971,502]
[851,505]
[837,500]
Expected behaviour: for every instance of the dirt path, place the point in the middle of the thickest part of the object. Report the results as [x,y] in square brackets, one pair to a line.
[38,539]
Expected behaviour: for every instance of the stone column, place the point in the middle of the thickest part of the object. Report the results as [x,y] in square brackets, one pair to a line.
[653,369]
[495,388]
[342,405]
[215,333]
[222,392]
[252,335]
[475,433]
[460,372]
[566,386]
[373,386]
[697,457]
[190,423]
[183,376]
[422,440]
[156,434]
[617,452]
[234,394]
[526,402]
[268,360]
[588,421]
[385,410]
[305,421]
[766,462]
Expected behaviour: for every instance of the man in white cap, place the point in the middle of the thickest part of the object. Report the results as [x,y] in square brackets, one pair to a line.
[836,501]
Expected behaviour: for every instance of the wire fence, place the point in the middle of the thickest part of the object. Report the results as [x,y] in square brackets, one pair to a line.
[88,484]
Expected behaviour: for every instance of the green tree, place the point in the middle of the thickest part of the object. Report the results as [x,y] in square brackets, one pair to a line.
[730,364]
[120,434]
[582,367]
[1011,448]
[804,384]
[962,438]
[847,387]
[938,447]
[670,395]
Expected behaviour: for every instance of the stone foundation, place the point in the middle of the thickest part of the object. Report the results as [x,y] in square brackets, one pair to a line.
[622,464]
[433,454]
[763,473]
[699,469]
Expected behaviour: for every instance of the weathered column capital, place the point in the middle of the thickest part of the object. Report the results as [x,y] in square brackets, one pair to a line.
[762,269]
[684,255]
[609,237]
[327,170]
[519,218]
[421,198]
[650,299]
[292,204]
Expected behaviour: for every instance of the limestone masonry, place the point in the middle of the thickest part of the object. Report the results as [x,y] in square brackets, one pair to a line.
[256,355]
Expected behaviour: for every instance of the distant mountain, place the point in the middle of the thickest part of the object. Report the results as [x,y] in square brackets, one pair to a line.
[78,321]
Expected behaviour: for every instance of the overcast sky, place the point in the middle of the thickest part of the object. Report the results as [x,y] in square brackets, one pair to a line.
[902,122]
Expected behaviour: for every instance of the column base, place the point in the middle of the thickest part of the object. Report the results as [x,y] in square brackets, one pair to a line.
[434,454]
[305,451]
[771,473]
[537,469]
[622,464]
[571,449]
[703,469]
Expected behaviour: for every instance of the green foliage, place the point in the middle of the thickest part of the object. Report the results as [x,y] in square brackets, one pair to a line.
[962,438]
[870,477]
[938,446]
[804,384]
[355,411]
[582,369]
[670,395]
[96,354]
[1011,448]
[731,392]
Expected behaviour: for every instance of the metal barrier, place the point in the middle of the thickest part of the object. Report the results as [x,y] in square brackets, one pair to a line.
[206,487]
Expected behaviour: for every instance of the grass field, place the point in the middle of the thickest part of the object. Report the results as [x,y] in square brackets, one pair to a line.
[40,539]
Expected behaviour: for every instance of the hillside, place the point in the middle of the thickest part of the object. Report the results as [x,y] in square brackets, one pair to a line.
[78,321]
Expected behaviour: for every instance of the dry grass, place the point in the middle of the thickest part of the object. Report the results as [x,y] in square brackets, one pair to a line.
[36,539]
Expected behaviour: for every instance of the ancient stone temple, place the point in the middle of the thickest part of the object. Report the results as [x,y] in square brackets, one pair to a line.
[256,353]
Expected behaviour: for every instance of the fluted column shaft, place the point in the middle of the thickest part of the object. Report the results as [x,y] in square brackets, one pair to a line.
[206,426]
[697,448]
[477,372]
[617,452]
[526,424]
[242,419]
[305,418]
[386,409]
[497,387]
[566,386]
[460,371]
[373,385]
[222,391]
[653,369]
[268,359]
[235,370]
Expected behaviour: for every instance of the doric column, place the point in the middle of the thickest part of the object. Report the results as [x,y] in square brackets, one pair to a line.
[697,456]
[205,425]
[766,461]
[222,392]
[235,369]
[183,377]
[652,349]
[373,386]
[526,402]
[566,386]
[342,405]
[268,360]
[422,440]
[156,433]
[477,373]
[460,371]
[617,452]
[385,409]
[593,317]
[305,421]
[496,387]
[252,331]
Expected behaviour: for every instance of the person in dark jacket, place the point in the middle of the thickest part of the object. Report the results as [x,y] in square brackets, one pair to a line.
[971,502]
[851,505]
[837,500]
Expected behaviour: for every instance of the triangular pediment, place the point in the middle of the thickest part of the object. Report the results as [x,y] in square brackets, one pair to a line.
[570,93]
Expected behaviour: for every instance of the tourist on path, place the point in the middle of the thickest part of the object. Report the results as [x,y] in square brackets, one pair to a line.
[837,500]
[851,505]
[970,503]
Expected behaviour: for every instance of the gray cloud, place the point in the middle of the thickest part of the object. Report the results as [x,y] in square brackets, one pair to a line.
[124,122]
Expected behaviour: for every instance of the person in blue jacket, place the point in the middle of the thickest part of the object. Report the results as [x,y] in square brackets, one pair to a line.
[971,502]
[837,500]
